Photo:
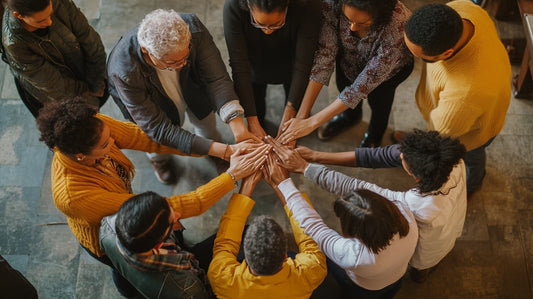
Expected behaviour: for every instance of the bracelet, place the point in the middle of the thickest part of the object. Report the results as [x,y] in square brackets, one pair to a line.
[233,115]
[232,177]
[226,153]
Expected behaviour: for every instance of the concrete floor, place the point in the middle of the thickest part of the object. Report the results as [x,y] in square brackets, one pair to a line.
[492,259]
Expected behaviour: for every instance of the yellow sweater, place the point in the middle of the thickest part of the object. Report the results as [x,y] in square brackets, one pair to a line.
[467,96]
[233,280]
[86,195]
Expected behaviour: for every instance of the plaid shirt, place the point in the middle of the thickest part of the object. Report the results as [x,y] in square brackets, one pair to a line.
[167,258]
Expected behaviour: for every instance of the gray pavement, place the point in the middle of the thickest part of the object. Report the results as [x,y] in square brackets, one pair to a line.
[492,259]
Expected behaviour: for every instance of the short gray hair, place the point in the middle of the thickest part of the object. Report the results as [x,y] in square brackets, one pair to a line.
[265,246]
[163,31]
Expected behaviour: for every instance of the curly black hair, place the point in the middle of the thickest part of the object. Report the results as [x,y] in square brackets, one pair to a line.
[267,6]
[142,222]
[435,28]
[431,157]
[371,218]
[69,125]
[379,10]
[28,7]
[265,246]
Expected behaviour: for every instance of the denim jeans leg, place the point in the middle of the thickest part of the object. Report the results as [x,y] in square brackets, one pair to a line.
[475,161]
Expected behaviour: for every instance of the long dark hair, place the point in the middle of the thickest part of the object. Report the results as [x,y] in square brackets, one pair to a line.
[370,218]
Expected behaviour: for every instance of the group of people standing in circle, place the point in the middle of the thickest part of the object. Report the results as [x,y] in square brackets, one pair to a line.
[168,67]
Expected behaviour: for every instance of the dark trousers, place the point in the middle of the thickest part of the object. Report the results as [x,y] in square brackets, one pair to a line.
[475,161]
[350,290]
[380,100]
[202,251]
[123,286]
[35,105]
[259,98]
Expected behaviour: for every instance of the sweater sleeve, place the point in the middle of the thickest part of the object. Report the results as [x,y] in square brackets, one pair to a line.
[228,241]
[379,157]
[310,261]
[342,251]
[234,34]
[198,201]
[128,135]
[340,184]
[306,44]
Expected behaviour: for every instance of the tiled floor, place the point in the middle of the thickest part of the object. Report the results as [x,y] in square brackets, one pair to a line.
[493,258]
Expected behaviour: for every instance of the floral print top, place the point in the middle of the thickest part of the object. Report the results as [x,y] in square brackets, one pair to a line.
[367,61]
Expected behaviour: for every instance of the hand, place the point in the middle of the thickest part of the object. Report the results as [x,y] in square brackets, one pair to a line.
[242,165]
[306,153]
[246,147]
[295,128]
[289,113]
[249,182]
[291,158]
[240,131]
[255,127]
[274,173]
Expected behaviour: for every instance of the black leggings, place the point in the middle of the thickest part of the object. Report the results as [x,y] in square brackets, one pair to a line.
[380,100]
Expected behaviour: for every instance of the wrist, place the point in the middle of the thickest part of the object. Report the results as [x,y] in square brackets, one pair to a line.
[232,177]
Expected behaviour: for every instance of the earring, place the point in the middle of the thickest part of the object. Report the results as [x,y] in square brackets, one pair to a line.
[80,158]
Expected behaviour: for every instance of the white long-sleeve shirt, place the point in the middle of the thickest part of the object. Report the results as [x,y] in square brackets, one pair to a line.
[440,216]
[367,269]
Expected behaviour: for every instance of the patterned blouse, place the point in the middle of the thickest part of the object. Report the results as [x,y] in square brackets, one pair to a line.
[367,61]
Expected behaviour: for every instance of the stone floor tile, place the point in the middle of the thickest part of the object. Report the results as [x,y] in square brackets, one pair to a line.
[475,228]
[18,262]
[53,280]
[526,234]
[509,259]
[20,205]
[500,208]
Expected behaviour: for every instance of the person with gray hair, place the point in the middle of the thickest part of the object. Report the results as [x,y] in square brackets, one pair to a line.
[168,66]
[266,271]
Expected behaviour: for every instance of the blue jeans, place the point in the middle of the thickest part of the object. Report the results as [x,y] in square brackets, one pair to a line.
[350,290]
[475,161]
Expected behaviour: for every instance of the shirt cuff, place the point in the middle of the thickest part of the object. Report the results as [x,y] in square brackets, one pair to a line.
[287,188]
[230,110]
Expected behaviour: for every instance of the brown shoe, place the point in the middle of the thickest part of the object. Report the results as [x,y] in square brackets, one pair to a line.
[397,136]
[164,171]
[421,276]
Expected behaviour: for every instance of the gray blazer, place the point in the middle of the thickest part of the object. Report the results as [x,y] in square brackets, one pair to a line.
[136,88]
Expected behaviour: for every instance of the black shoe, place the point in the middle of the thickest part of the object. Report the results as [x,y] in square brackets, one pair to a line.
[164,171]
[340,123]
[369,142]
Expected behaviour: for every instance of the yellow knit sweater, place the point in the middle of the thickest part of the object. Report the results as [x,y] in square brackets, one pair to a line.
[86,195]
[467,96]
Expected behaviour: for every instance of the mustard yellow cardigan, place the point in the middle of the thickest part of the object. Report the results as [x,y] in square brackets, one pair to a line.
[86,195]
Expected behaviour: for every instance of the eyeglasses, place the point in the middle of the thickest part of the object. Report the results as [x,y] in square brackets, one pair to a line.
[176,64]
[254,23]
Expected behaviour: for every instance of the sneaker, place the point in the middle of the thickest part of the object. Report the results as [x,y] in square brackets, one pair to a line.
[164,171]
[339,123]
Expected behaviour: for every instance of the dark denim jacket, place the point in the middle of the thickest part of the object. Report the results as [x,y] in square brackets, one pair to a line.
[136,88]
[164,284]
